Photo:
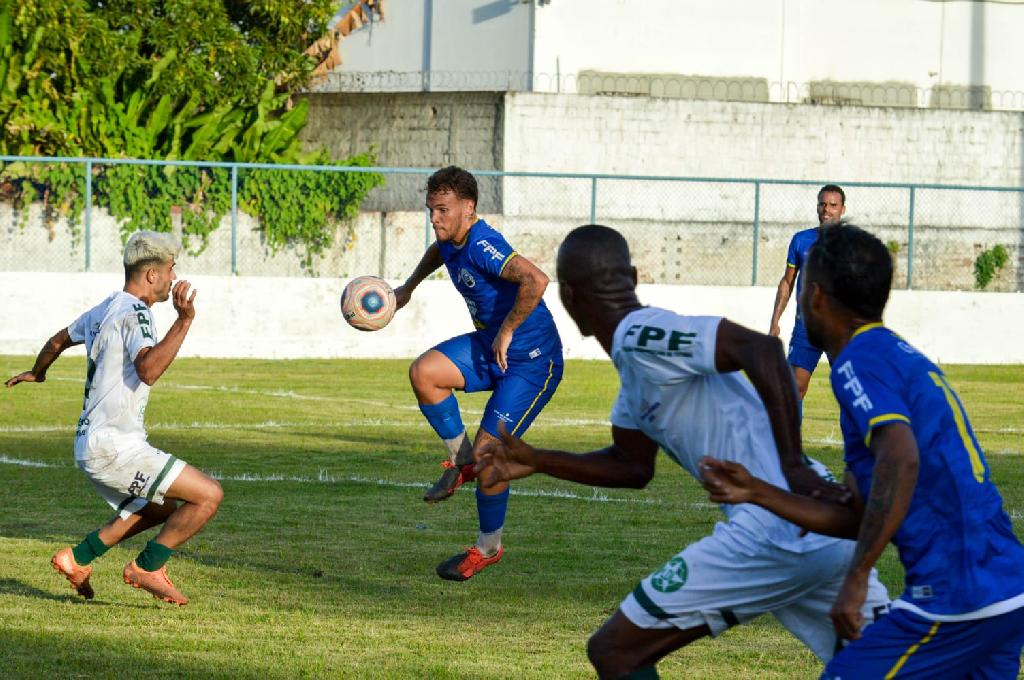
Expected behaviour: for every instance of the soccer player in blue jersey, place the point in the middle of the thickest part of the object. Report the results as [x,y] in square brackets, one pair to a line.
[912,456]
[515,352]
[803,354]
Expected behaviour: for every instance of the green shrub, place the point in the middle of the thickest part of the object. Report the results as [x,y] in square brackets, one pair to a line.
[987,265]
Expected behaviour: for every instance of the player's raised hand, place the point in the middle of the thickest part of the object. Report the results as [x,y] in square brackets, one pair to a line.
[402,296]
[27,376]
[506,458]
[726,482]
[846,611]
[183,301]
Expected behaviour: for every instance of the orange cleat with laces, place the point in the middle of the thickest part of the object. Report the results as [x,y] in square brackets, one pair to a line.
[78,576]
[466,564]
[154,582]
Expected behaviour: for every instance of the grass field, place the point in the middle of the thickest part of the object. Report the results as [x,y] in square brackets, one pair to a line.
[321,560]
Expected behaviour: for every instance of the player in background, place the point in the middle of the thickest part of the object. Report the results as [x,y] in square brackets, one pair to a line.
[515,352]
[803,355]
[913,457]
[681,389]
[141,483]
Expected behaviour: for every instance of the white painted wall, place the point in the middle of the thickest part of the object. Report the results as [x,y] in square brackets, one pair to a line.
[281,318]
[922,42]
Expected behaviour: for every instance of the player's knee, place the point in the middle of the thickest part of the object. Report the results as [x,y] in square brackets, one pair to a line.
[420,374]
[604,657]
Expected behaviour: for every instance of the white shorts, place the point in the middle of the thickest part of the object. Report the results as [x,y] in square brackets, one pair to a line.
[126,470]
[728,578]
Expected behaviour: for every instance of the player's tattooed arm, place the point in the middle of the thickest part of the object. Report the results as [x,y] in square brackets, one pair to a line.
[429,263]
[532,283]
[53,348]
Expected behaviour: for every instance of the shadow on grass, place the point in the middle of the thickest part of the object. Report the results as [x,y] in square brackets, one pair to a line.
[10,586]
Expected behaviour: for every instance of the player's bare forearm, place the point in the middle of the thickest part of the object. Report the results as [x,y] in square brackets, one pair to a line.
[532,283]
[892,487]
[606,467]
[428,264]
[782,294]
[52,348]
[151,363]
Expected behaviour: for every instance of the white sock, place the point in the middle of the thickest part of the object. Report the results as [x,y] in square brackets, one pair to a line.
[460,451]
[489,543]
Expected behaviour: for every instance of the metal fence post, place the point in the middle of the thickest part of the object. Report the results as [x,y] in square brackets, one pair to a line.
[234,220]
[88,215]
[757,231]
[910,241]
[593,200]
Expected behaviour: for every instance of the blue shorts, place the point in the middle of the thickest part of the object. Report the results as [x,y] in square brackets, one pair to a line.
[519,393]
[905,645]
[801,352]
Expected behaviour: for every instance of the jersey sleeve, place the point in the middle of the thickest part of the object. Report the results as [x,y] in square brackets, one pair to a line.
[137,330]
[78,327]
[869,395]
[491,253]
[793,255]
[622,416]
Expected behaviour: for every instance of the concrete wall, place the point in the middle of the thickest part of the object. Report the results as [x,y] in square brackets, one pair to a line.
[488,44]
[300,317]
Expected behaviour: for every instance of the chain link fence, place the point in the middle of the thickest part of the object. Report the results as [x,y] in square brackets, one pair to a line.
[682,230]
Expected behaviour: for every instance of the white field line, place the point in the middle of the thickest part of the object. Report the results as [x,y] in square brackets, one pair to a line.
[6,460]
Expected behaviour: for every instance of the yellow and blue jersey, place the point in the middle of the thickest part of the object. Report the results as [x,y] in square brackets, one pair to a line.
[799,247]
[475,267]
[956,543]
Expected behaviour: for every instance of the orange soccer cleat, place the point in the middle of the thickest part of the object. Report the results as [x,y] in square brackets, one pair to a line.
[154,582]
[64,562]
[466,564]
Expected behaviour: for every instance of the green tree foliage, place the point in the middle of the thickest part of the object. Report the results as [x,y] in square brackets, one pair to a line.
[202,80]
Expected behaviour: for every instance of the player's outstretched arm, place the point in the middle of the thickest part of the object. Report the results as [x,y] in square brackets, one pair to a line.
[532,283]
[762,359]
[627,463]
[151,362]
[429,263]
[53,348]
[728,482]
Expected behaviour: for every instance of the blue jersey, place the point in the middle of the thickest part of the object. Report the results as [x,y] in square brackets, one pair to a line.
[475,268]
[796,258]
[956,543]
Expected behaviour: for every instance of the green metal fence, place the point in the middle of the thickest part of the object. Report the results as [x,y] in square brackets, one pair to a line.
[682,230]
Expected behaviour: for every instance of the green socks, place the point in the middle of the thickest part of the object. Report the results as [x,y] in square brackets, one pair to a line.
[154,556]
[89,549]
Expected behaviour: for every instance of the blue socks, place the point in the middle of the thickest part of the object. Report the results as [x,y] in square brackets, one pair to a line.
[444,417]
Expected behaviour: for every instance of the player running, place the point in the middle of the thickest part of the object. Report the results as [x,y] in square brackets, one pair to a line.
[515,352]
[141,483]
[913,457]
[803,355]
[681,389]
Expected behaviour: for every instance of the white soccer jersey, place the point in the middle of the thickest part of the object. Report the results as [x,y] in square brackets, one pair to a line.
[671,392]
[114,332]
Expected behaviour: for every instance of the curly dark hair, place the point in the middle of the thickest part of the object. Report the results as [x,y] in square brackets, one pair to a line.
[454,179]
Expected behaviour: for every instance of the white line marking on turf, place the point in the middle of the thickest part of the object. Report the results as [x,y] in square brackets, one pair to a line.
[27,463]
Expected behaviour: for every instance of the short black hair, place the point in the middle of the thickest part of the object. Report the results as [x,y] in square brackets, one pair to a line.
[853,267]
[456,180]
[593,255]
[833,189]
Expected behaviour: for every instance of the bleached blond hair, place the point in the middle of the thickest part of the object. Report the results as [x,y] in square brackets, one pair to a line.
[146,248]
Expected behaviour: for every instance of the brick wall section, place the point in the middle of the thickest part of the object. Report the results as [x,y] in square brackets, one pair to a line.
[418,130]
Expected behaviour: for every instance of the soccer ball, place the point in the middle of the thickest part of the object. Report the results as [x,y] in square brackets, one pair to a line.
[368,303]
